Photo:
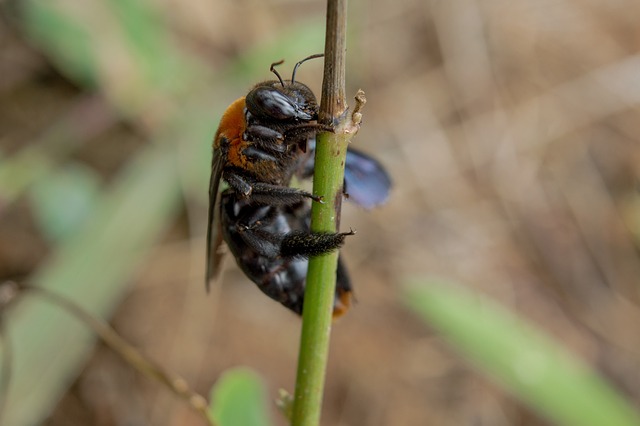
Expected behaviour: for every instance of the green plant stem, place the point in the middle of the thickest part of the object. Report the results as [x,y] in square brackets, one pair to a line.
[331,150]
[320,290]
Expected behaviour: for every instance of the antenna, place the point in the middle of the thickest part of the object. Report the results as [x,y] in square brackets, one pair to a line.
[273,70]
[293,75]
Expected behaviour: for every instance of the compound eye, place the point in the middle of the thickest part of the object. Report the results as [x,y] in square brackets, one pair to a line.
[267,102]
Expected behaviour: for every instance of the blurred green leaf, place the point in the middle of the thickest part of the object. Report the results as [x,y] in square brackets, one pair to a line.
[87,118]
[19,171]
[520,357]
[239,397]
[67,41]
[148,40]
[631,213]
[91,268]
[65,200]
[293,44]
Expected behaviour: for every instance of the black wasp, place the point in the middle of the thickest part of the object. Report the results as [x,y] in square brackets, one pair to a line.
[263,141]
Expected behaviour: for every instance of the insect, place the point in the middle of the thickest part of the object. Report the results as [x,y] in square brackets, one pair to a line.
[263,141]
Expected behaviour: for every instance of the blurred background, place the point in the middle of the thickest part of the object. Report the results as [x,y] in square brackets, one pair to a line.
[510,129]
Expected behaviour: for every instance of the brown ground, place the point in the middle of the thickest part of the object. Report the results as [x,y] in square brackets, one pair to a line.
[511,131]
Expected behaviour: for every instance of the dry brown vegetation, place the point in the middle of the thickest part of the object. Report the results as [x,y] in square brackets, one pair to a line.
[511,130]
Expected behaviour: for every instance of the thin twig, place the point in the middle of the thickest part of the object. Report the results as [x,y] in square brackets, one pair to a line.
[5,368]
[8,294]
[131,355]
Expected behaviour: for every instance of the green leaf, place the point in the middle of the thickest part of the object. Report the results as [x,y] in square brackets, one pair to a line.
[239,397]
[91,268]
[65,40]
[65,200]
[294,43]
[520,357]
[147,39]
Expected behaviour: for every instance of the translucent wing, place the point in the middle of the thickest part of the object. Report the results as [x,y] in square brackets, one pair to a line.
[214,227]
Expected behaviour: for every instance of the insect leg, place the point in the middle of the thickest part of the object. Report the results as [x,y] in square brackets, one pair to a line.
[262,242]
[306,131]
[279,195]
[307,244]
[266,193]
[239,184]
[266,137]
[271,244]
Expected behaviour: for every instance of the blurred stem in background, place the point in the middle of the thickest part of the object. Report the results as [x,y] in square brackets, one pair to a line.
[519,357]
[128,353]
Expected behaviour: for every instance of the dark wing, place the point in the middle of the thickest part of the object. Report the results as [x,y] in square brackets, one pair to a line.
[366,182]
[214,226]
